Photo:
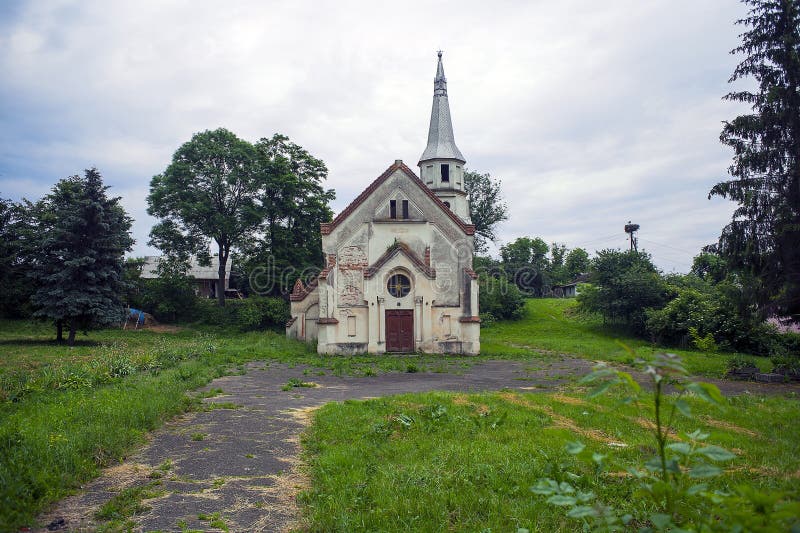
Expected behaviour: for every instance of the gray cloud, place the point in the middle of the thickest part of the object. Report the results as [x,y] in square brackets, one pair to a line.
[591,114]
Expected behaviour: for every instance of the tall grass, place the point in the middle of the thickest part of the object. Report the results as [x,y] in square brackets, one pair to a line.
[62,419]
[553,325]
[466,462]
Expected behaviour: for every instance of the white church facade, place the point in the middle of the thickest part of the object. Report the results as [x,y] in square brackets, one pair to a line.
[398,275]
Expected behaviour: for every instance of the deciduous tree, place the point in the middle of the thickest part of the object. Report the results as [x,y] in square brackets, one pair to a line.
[295,203]
[210,191]
[486,207]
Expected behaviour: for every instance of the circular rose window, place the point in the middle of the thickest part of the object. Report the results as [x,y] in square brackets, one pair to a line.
[399,285]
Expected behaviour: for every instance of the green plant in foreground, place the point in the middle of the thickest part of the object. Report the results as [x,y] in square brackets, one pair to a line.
[296,382]
[672,482]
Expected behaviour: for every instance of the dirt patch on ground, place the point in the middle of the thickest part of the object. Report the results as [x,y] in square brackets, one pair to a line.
[163,328]
[719,424]
[571,400]
[561,421]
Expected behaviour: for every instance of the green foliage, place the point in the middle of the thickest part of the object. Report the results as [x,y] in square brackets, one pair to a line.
[295,203]
[674,483]
[761,240]
[709,267]
[576,262]
[691,309]
[499,300]
[78,253]
[171,296]
[704,344]
[259,313]
[486,207]
[265,200]
[710,316]
[535,267]
[128,502]
[249,314]
[625,285]
[15,244]
[209,191]
[525,261]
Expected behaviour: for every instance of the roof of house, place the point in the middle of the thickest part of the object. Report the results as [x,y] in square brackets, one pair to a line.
[328,227]
[196,270]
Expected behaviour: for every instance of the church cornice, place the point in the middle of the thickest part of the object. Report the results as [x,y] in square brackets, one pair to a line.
[401,248]
[327,227]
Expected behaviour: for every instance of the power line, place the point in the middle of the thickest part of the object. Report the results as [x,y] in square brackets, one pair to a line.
[668,246]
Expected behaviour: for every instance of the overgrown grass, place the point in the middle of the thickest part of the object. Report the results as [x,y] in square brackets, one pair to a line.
[65,413]
[456,462]
[553,325]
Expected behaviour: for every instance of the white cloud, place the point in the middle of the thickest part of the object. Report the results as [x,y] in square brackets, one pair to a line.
[592,114]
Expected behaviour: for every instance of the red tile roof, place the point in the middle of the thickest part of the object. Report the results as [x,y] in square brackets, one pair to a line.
[328,227]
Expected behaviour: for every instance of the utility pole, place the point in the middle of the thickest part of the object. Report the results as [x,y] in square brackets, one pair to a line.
[631,230]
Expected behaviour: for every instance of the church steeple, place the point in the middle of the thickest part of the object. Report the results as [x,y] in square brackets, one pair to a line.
[441,143]
[441,165]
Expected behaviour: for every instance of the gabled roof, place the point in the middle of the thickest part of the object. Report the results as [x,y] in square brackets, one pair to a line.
[328,227]
[196,270]
[400,248]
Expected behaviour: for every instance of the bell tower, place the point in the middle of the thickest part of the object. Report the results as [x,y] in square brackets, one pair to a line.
[441,165]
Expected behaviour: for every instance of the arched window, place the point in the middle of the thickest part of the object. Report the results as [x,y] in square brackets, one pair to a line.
[399,285]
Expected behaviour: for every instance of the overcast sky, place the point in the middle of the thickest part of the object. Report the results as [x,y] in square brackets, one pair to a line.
[591,113]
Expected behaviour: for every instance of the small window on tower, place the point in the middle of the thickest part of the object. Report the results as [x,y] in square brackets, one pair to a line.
[447,204]
[445,173]
[405,209]
[392,208]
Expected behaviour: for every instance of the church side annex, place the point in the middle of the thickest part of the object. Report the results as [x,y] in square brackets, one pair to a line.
[399,272]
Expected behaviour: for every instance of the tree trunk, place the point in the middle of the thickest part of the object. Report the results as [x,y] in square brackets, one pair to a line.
[59,331]
[71,340]
[223,261]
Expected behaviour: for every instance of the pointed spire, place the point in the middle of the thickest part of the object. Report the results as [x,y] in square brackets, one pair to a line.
[440,82]
[441,144]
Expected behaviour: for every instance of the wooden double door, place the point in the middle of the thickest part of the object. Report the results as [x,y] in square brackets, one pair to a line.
[400,330]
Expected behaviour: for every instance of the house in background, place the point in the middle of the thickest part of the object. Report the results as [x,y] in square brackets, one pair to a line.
[570,290]
[206,277]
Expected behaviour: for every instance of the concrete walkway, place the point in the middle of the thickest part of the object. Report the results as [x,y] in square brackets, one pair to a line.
[242,462]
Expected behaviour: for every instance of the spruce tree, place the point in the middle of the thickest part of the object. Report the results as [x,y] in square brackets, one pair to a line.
[762,242]
[79,261]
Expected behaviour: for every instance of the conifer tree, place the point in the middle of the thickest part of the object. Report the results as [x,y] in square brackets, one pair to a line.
[762,242]
[79,258]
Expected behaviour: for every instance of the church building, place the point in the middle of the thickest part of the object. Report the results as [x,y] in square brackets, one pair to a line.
[398,274]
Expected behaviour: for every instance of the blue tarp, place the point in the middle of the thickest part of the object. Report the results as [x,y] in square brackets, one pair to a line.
[136,314]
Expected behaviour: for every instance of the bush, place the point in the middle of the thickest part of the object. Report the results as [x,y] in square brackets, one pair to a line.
[169,299]
[500,299]
[254,313]
[709,317]
[690,310]
[624,286]
[259,312]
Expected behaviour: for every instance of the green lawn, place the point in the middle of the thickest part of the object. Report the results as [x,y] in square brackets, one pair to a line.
[458,462]
[552,325]
[66,412]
